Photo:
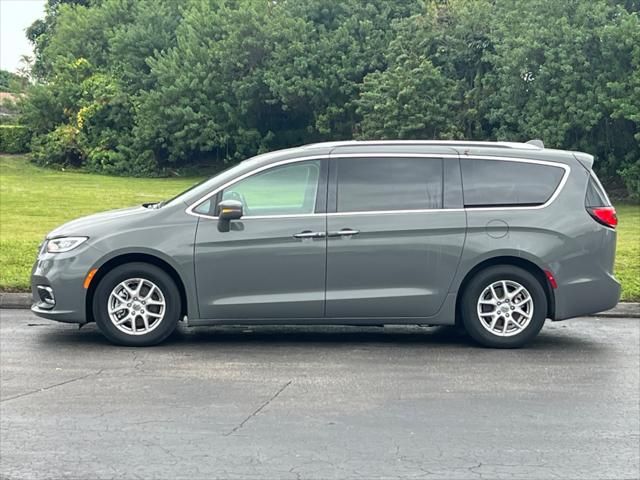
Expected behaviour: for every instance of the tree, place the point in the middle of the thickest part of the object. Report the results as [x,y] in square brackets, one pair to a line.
[317,72]
[210,96]
[568,76]
[96,64]
[11,82]
[139,86]
[567,72]
[435,66]
[250,76]
[41,31]
[409,100]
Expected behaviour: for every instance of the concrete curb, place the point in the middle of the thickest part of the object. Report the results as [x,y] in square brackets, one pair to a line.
[15,300]
[623,309]
[23,300]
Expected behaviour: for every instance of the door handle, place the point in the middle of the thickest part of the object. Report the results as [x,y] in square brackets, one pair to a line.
[309,234]
[345,232]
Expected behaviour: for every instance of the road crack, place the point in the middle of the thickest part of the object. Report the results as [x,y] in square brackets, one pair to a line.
[258,410]
[82,377]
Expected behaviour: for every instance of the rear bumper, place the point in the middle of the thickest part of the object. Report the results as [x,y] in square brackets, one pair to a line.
[586,296]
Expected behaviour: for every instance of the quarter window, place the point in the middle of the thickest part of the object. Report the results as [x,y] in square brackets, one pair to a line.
[285,190]
[489,183]
[378,184]
[596,196]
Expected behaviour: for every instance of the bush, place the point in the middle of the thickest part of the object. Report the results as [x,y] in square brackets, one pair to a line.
[119,162]
[631,177]
[8,120]
[59,147]
[14,139]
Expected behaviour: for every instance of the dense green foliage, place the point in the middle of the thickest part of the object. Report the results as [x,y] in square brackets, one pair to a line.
[137,86]
[14,139]
[11,82]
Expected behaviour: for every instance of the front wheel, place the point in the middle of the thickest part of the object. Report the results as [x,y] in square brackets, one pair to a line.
[136,304]
[504,307]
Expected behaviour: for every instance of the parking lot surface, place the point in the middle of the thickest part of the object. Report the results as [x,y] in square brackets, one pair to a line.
[319,402]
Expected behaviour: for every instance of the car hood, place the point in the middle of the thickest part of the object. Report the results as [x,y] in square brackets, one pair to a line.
[86,226]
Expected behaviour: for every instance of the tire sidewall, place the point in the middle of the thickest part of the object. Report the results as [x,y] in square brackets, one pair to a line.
[148,272]
[477,285]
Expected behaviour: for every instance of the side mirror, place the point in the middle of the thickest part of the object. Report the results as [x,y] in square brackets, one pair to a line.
[230,210]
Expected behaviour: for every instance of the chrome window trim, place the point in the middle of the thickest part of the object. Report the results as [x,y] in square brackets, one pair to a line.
[262,217]
[389,212]
[552,198]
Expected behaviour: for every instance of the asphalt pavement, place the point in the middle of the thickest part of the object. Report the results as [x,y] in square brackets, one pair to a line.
[318,403]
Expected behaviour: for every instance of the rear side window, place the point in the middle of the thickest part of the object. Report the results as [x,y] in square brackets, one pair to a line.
[491,183]
[596,196]
[366,184]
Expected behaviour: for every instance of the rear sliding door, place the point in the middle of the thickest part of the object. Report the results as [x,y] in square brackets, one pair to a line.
[392,248]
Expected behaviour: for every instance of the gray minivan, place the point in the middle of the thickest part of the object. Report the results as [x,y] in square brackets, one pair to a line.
[498,236]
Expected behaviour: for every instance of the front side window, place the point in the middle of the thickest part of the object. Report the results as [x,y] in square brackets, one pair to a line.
[285,190]
[381,184]
[491,183]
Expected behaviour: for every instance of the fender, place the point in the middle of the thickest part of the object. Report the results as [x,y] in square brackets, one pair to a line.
[183,270]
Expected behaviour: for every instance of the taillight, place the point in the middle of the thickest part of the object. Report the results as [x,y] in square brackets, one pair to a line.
[604,215]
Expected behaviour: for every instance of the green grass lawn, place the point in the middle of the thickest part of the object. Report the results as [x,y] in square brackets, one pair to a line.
[628,253]
[33,201]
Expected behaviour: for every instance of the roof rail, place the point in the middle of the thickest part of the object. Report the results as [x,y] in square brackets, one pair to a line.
[530,145]
[536,142]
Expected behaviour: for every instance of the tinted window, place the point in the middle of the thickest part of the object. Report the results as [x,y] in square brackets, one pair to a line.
[595,197]
[205,208]
[504,183]
[286,190]
[365,184]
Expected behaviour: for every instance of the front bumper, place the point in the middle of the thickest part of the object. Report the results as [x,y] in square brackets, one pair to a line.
[66,316]
[62,274]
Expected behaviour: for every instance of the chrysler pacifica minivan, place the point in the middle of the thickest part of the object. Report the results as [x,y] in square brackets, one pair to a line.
[496,236]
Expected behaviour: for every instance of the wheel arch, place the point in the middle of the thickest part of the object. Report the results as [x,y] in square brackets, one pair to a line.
[124,258]
[523,263]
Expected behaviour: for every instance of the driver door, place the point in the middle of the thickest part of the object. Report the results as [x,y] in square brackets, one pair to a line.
[271,262]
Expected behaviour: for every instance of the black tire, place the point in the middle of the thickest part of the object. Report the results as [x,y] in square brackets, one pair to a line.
[475,288]
[161,280]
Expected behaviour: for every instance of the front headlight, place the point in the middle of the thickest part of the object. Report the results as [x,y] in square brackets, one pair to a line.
[64,244]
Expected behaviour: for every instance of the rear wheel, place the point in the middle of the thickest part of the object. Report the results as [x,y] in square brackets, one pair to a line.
[136,304]
[503,307]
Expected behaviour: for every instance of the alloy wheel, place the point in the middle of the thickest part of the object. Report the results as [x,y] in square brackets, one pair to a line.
[136,306]
[505,308]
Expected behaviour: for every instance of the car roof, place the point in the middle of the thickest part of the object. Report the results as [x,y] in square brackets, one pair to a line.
[533,150]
